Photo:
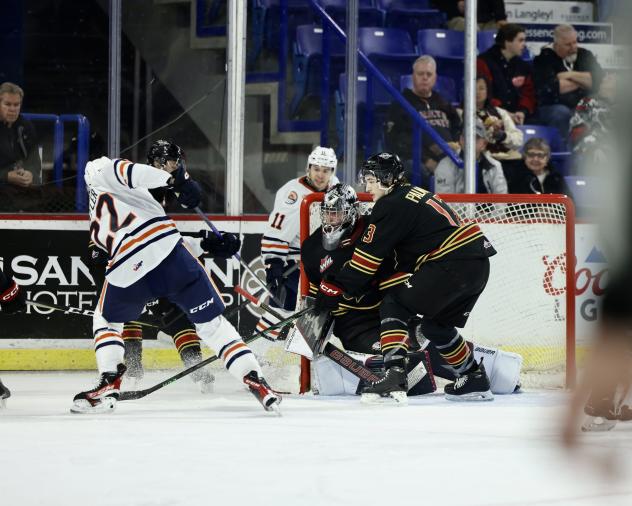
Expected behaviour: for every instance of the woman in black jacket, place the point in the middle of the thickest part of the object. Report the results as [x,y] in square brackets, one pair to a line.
[537,175]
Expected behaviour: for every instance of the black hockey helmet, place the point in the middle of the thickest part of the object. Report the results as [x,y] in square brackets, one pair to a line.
[387,168]
[162,151]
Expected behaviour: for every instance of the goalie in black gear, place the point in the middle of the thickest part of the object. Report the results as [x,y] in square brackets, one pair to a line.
[357,320]
[443,268]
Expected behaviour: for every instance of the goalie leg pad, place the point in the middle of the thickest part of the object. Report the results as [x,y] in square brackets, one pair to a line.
[503,368]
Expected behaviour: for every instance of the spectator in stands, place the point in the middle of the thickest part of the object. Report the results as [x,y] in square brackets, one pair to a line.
[490,13]
[20,165]
[489,174]
[437,111]
[563,74]
[537,175]
[510,77]
[591,125]
[505,140]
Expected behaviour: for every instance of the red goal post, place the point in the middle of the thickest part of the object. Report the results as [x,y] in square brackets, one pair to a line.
[529,303]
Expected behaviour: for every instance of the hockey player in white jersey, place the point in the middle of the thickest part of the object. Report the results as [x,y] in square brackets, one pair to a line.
[148,260]
[280,244]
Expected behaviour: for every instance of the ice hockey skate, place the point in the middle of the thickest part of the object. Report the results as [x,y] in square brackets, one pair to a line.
[472,386]
[601,414]
[103,397]
[5,393]
[391,389]
[259,387]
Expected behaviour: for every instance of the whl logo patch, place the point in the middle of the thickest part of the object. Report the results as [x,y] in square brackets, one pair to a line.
[325,263]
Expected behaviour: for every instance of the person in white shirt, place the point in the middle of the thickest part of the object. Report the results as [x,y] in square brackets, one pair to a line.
[489,175]
[280,244]
[147,259]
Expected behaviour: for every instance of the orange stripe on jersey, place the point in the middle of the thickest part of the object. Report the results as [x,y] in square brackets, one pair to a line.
[102,296]
[274,245]
[122,168]
[144,236]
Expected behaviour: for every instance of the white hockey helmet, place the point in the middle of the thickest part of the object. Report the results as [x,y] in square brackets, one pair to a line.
[338,214]
[324,157]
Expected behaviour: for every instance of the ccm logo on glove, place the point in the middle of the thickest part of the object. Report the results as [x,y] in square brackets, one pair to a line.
[330,289]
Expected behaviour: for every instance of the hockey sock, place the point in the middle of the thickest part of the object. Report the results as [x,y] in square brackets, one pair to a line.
[393,332]
[221,336]
[450,345]
[133,338]
[184,340]
[109,347]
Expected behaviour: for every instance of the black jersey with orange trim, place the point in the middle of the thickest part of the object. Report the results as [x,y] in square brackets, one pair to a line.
[319,262]
[411,225]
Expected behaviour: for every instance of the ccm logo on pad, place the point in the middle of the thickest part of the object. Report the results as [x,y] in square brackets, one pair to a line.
[201,306]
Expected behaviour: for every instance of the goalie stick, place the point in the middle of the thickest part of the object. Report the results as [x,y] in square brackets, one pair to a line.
[342,358]
[139,394]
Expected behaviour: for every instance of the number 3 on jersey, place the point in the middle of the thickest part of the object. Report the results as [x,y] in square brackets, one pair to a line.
[277,222]
[368,235]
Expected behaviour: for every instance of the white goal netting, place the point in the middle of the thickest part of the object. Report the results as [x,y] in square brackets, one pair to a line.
[528,304]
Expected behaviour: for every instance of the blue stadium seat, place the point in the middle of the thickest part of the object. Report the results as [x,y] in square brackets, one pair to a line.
[550,134]
[485,39]
[307,63]
[445,86]
[585,191]
[391,50]
[448,49]
[368,14]
[382,99]
[386,5]
[441,43]
[266,23]
[412,18]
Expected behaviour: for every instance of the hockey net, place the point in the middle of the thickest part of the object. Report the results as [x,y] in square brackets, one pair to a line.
[528,306]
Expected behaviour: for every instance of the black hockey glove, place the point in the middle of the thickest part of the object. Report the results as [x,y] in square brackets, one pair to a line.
[12,299]
[274,276]
[98,257]
[187,191]
[328,296]
[219,247]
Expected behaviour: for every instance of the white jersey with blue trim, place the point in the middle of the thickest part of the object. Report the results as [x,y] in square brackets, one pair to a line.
[281,240]
[126,220]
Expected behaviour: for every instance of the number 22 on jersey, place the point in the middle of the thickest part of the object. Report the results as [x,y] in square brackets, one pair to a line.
[105,208]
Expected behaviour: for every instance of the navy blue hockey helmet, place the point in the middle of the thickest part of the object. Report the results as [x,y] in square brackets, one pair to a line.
[162,151]
[385,167]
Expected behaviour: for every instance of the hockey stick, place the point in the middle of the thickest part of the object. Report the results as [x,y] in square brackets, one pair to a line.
[342,358]
[139,394]
[79,311]
[238,257]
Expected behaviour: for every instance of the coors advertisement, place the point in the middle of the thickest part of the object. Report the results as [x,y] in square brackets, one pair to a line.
[53,267]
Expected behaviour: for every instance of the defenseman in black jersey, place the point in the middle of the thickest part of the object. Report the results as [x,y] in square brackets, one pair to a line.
[357,319]
[449,263]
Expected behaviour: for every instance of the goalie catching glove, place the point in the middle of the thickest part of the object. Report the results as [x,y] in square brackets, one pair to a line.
[219,247]
[187,191]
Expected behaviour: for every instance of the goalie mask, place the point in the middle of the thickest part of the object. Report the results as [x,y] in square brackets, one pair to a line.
[162,151]
[386,168]
[338,214]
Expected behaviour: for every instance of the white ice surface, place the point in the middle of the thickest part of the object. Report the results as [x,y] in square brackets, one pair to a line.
[178,447]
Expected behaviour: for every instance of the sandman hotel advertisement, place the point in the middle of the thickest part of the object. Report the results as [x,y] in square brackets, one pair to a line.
[534,11]
[50,260]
